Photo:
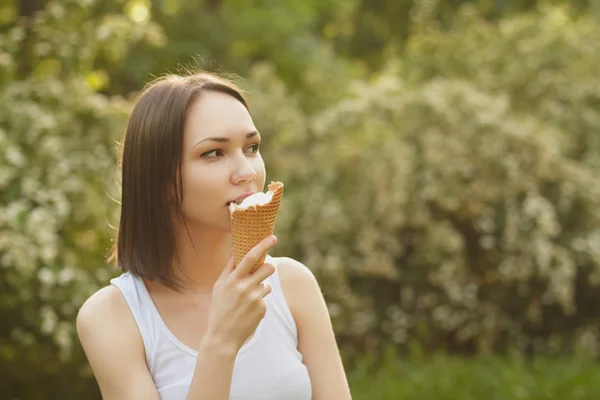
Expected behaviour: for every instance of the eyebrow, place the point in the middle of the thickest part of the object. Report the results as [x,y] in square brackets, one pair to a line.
[224,139]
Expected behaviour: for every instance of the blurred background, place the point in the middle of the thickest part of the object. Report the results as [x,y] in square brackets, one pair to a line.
[441,162]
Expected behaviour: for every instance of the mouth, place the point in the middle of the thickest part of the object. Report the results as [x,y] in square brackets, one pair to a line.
[239,199]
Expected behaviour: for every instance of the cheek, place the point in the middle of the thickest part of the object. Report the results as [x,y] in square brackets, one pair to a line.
[259,166]
[198,184]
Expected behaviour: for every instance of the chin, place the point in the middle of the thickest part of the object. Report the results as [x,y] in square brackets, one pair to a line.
[224,225]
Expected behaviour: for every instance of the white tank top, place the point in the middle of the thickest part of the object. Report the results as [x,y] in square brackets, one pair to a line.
[268,366]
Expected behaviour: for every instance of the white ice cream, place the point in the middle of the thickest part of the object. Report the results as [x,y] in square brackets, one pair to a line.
[257,199]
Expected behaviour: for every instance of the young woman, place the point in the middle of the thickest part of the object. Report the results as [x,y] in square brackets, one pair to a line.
[181,322]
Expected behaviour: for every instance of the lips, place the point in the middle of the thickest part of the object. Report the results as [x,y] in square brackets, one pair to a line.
[240,198]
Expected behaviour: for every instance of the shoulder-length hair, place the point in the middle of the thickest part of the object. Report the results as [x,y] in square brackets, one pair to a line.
[150,162]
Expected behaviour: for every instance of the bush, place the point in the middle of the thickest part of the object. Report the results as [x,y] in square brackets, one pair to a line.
[57,135]
[455,199]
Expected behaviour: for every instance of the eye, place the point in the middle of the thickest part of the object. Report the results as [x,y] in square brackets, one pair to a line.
[254,148]
[211,154]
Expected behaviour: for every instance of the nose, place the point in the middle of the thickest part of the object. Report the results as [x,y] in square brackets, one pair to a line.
[243,172]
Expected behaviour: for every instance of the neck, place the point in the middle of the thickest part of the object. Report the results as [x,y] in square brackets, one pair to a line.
[203,254]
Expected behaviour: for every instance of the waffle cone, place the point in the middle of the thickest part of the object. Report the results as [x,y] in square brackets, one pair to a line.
[252,224]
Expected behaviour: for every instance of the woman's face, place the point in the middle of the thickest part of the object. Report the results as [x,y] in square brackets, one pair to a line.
[220,159]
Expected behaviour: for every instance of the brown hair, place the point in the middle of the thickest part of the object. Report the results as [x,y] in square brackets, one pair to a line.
[151,172]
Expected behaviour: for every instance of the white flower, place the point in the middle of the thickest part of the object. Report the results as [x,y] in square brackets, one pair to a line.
[49,320]
[14,156]
[46,276]
[66,275]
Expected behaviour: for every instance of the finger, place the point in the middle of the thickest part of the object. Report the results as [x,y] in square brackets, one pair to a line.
[254,255]
[261,273]
[264,289]
[261,309]
[258,295]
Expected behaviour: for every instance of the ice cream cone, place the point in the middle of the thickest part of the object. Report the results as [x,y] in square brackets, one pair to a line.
[253,220]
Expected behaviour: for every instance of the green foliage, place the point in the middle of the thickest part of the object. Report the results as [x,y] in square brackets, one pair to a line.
[57,135]
[53,230]
[543,64]
[450,200]
[439,377]
[235,35]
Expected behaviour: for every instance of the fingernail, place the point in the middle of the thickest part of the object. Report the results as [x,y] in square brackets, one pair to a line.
[273,239]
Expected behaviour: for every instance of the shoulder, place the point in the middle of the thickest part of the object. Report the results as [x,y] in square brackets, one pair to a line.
[290,269]
[105,316]
[106,303]
[294,275]
[113,346]
[298,283]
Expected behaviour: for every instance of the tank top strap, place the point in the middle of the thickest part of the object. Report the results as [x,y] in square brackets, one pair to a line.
[134,292]
[280,305]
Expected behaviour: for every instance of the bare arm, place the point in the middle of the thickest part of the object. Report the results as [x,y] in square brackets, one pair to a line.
[316,339]
[214,369]
[114,347]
